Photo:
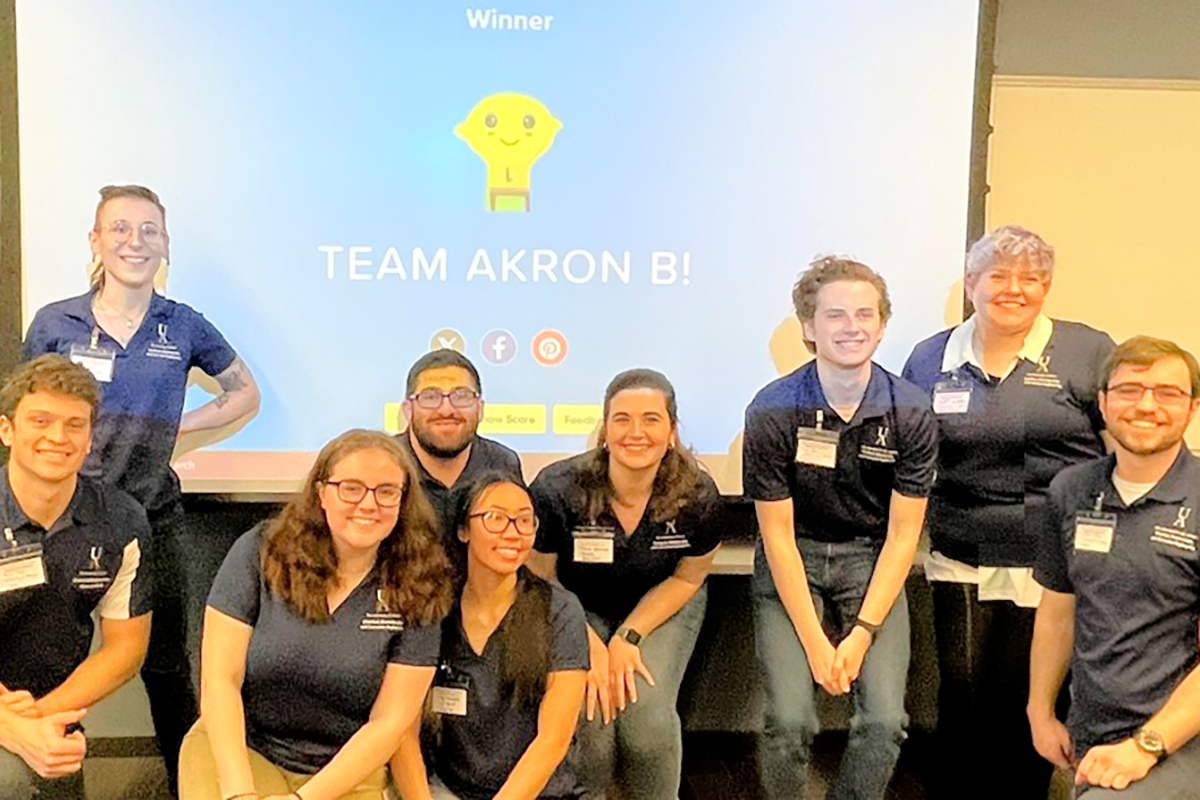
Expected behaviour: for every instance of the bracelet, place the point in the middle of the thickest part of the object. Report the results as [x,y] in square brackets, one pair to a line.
[868,627]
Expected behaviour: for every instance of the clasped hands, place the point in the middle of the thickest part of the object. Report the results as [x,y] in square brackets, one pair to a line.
[41,741]
[835,669]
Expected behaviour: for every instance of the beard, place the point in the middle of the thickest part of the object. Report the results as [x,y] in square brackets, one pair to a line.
[1169,439]
[442,449]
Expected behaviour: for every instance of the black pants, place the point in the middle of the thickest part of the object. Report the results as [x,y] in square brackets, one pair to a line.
[985,747]
[167,671]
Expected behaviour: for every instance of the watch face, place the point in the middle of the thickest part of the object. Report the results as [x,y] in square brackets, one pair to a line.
[1151,742]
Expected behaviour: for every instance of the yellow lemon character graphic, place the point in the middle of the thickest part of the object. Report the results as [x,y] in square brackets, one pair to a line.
[509,131]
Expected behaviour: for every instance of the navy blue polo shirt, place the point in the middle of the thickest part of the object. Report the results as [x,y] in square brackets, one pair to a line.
[95,560]
[996,459]
[486,456]
[1137,605]
[477,752]
[640,560]
[890,444]
[310,686]
[137,421]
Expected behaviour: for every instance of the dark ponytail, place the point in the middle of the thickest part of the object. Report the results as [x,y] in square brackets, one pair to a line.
[526,632]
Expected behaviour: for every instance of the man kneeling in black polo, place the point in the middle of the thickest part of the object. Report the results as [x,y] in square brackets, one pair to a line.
[70,547]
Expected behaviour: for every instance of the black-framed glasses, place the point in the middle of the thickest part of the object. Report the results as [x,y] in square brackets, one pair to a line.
[462,397]
[494,521]
[387,495]
[1164,394]
[121,230]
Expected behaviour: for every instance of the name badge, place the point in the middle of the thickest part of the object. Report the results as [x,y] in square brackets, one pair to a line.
[1094,532]
[816,447]
[22,568]
[97,360]
[951,397]
[449,700]
[594,544]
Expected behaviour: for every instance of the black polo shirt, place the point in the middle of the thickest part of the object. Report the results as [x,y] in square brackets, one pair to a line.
[137,421]
[486,455]
[1137,605]
[996,459]
[476,752]
[310,686]
[95,560]
[890,444]
[639,562]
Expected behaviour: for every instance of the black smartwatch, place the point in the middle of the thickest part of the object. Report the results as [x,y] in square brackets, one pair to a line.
[629,635]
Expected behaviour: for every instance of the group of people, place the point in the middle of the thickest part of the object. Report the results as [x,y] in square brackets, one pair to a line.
[417,619]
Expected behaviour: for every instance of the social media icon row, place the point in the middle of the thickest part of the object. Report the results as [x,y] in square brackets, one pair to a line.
[499,347]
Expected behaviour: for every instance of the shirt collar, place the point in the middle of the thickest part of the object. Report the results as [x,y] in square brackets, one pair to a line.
[81,510]
[1180,482]
[81,307]
[960,347]
[876,399]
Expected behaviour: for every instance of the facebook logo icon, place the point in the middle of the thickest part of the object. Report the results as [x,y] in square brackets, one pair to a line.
[498,347]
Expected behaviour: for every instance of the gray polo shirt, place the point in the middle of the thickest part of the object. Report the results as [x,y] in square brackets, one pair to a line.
[310,686]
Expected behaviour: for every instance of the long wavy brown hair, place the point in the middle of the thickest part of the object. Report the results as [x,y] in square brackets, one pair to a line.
[300,564]
[677,482]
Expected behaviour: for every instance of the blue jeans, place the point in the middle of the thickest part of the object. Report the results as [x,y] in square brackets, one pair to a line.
[642,750]
[838,575]
[19,782]
[1173,779]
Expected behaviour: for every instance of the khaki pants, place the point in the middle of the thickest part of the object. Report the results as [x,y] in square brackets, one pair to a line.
[198,774]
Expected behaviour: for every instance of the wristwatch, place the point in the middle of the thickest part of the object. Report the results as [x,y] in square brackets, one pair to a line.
[1150,742]
[868,627]
[629,635]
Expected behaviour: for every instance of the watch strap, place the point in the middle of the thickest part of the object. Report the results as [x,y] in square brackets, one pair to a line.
[869,627]
[629,635]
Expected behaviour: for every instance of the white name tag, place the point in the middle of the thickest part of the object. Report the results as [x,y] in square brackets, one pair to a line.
[1093,536]
[597,550]
[22,568]
[817,448]
[951,401]
[98,361]
[450,700]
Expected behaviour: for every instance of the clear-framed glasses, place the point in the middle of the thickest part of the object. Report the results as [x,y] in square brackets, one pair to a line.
[148,232]
[462,397]
[1164,394]
[1002,277]
[387,495]
[494,521]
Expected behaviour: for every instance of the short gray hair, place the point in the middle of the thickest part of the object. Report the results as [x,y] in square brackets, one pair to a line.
[1011,244]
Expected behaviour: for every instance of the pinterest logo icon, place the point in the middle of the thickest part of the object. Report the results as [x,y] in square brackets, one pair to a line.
[549,348]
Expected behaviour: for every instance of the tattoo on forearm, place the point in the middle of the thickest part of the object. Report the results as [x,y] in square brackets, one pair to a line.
[233,378]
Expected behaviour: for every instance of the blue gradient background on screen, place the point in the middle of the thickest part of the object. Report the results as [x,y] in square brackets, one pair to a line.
[750,135]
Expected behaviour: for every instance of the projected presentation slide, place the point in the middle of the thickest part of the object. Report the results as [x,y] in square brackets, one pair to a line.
[560,189]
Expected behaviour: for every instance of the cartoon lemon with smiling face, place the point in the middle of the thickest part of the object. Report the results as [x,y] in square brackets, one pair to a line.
[509,131]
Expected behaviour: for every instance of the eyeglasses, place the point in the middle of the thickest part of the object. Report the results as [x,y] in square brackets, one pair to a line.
[498,522]
[387,495]
[1002,277]
[462,397]
[149,233]
[1163,395]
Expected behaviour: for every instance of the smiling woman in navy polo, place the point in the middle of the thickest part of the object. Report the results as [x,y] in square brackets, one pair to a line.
[321,634]
[140,346]
[630,528]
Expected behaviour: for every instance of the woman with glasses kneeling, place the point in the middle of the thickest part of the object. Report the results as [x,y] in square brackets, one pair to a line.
[321,635]
[514,659]
[629,528]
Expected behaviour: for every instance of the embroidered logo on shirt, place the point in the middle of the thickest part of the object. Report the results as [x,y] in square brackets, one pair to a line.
[881,436]
[381,619]
[163,347]
[882,455]
[670,539]
[1181,517]
[95,576]
[1042,376]
[1173,537]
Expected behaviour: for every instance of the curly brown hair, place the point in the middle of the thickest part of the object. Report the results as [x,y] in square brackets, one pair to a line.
[299,563]
[677,482]
[825,270]
[49,372]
